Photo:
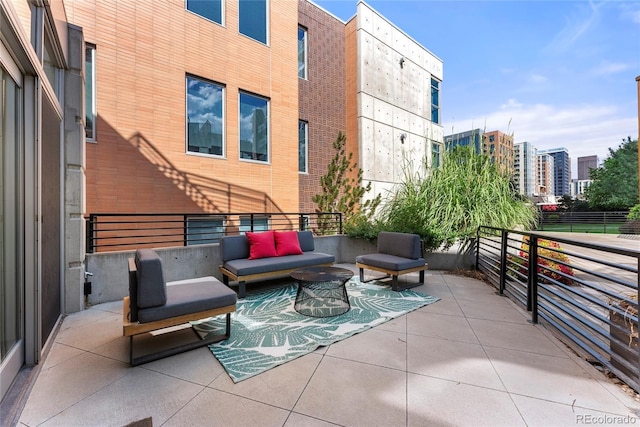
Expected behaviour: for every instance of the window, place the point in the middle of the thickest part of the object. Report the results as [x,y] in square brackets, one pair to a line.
[253,19]
[302,52]
[201,231]
[205,117]
[90,92]
[435,101]
[302,145]
[209,9]
[436,150]
[252,223]
[254,127]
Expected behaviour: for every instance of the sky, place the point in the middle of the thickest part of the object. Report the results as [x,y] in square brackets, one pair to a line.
[553,73]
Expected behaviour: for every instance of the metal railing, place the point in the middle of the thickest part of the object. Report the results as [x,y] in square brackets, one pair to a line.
[582,222]
[120,231]
[587,293]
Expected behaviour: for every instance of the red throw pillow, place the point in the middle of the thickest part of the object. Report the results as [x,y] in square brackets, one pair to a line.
[287,243]
[261,245]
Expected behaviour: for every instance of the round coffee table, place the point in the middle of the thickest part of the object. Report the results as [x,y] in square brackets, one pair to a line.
[322,291]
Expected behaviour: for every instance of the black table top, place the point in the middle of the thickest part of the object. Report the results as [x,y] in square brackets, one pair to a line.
[321,274]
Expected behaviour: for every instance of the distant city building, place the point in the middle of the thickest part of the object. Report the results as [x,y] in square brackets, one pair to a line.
[546,174]
[585,164]
[499,146]
[578,188]
[524,168]
[471,138]
[562,170]
[495,144]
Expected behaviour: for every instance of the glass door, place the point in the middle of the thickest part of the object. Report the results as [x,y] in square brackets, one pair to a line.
[11,287]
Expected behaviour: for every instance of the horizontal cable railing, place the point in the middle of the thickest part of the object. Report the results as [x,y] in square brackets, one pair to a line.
[586,293]
[126,231]
[582,222]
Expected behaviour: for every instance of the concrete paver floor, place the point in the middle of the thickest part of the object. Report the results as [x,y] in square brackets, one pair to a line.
[471,359]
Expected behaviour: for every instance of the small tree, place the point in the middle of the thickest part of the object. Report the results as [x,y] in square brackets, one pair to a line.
[615,183]
[342,191]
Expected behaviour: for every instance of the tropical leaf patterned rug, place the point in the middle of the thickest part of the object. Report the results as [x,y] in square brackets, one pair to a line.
[266,331]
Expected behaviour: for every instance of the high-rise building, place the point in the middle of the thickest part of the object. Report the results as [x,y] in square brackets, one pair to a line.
[562,170]
[499,147]
[546,171]
[471,138]
[495,144]
[585,164]
[525,163]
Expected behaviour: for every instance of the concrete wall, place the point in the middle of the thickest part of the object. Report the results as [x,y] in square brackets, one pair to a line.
[394,99]
[110,280]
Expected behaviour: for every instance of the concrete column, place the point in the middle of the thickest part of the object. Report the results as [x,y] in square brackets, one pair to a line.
[74,174]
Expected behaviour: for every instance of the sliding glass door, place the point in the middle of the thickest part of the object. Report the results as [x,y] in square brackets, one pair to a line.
[11,286]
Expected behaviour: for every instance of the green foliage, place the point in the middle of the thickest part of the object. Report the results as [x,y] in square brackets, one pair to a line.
[567,203]
[634,213]
[342,192]
[449,205]
[615,183]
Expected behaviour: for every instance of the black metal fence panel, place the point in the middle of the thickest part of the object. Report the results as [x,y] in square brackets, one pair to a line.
[119,231]
[587,293]
[582,222]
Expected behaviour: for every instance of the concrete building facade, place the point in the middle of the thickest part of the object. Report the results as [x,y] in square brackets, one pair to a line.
[393,100]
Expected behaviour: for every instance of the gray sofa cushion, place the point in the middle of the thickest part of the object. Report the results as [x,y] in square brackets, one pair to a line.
[151,290]
[190,296]
[306,241]
[399,244]
[234,247]
[243,267]
[390,262]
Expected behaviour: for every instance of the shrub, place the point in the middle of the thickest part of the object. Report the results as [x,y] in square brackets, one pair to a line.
[546,267]
[634,213]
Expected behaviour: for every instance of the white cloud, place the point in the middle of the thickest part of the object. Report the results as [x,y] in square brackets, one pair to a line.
[583,129]
[575,27]
[537,79]
[607,68]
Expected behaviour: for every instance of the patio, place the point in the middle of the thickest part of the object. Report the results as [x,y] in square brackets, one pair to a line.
[470,359]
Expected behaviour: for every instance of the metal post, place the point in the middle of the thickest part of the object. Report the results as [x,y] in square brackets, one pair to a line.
[503,262]
[533,266]
[185,230]
[89,237]
[478,247]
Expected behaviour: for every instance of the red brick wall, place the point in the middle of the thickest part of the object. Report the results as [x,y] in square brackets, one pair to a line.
[144,49]
[322,97]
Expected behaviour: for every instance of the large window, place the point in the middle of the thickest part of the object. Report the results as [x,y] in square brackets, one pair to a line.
[254,127]
[210,9]
[205,120]
[435,101]
[253,19]
[201,231]
[254,224]
[436,154]
[303,128]
[90,92]
[302,52]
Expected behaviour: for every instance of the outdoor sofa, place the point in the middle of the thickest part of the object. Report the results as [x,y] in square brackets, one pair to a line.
[270,254]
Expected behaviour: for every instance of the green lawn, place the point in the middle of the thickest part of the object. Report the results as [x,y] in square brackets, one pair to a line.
[582,228]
